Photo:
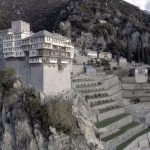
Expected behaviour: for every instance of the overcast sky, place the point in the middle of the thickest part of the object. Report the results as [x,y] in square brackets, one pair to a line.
[143,4]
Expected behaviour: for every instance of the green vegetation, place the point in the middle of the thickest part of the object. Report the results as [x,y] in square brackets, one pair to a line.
[91,90]
[126,143]
[129,56]
[60,113]
[106,65]
[103,29]
[81,80]
[56,113]
[88,85]
[109,121]
[84,17]
[121,131]
[116,48]
[41,15]
[109,109]
[36,111]
[101,103]
[7,80]
[98,95]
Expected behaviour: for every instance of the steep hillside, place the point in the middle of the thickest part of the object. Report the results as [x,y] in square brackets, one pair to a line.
[41,14]
[126,30]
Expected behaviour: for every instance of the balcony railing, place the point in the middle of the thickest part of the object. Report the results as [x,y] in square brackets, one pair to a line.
[53,54]
[35,60]
[14,54]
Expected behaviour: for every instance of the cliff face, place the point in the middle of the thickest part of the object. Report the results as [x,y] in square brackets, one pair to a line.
[28,124]
[112,25]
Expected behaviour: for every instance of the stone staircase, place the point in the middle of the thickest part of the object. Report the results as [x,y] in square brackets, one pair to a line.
[113,123]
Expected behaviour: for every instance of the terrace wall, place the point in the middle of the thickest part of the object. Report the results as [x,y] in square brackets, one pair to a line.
[110,114]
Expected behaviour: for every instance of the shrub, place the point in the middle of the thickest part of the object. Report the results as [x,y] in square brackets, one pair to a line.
[95,95]
[56,113]
[99,83]
[7,80]
[60,114]
[99,95]
[37,112]
[86,96]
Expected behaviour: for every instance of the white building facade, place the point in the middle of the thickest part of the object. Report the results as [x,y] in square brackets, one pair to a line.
[105,56]
[91,54]
[123,63]
[42,59]
[141,75]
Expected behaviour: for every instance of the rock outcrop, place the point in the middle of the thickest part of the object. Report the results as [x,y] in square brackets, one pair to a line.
[59,124]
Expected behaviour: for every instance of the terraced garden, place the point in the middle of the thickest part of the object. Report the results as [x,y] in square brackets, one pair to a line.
[101,103]
[120,132]
[126,143]
[107,113]
[109,109]
[100,95]
[109,121]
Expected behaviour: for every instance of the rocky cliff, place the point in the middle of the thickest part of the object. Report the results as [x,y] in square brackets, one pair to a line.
[112,25]
[29,121]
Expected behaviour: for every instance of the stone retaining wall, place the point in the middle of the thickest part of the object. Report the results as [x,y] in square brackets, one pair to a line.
[104,106]
[135,93]
[128,134]
[114,126]
[110,114]
[141,142]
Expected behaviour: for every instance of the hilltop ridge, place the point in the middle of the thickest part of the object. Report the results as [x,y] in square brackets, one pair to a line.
[114,25]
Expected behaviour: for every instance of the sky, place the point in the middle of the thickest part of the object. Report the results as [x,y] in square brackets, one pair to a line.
[143,4]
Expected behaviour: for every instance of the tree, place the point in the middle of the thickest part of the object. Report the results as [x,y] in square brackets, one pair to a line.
[129,56]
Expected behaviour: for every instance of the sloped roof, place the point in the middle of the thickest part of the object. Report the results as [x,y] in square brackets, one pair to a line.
[47,33]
